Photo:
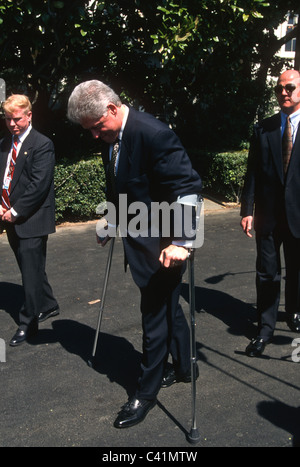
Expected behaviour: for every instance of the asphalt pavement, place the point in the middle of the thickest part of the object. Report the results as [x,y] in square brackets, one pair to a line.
[51,397]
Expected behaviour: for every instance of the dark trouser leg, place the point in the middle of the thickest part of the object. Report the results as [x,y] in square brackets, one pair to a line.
[291,247]
[31,257]
[165,330]
[268,276]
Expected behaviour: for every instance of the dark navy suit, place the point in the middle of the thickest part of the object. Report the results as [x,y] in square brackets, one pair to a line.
[275,200]
[32,197]
[154,167]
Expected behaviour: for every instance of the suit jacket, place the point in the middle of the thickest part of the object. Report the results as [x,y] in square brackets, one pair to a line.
[153,167]
[32,186]
[266,191]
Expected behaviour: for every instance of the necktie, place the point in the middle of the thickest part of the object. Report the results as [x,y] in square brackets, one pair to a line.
[287,145]
[112,169]
[10,174]
[114,155]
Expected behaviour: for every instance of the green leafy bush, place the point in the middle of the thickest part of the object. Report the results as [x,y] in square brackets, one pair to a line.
[226,172]
[79,188]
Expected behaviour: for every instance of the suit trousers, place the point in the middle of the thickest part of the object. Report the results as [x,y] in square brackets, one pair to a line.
[165,331]
[268,277]
[30,254]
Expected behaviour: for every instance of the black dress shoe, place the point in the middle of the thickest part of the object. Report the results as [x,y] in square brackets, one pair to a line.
[257,346]
[293,322]
[170,377]
[133,412]
[23,334]
[49,314]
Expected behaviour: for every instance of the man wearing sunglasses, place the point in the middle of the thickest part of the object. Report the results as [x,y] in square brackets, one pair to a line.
[272,191]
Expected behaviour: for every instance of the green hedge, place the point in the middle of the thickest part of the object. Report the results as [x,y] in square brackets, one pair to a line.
[79,188]
[225,173]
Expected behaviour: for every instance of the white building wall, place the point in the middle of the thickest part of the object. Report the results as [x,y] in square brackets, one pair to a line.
[287,50]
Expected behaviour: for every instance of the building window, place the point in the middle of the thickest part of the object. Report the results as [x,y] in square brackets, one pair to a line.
[291,45]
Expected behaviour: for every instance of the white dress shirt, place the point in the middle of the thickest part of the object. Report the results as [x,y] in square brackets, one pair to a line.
[21,139]
[294,119]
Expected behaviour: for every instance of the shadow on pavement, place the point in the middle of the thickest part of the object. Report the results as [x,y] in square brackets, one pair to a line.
[11,299]
[237,315]
[121,363]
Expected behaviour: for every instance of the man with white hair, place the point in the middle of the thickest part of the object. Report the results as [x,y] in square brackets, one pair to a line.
[151,166]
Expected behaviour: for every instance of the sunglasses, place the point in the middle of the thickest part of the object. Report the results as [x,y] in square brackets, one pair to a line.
[288,87]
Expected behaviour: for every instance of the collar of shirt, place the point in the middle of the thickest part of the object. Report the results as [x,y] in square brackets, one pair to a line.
[21,139]
[294,119]
[126,112]
[24,135]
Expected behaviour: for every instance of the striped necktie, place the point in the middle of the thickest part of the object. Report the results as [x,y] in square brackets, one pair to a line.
[287,145]
[112,169]
[10,174]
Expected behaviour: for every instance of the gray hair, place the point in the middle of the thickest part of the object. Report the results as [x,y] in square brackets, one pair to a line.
[90,100]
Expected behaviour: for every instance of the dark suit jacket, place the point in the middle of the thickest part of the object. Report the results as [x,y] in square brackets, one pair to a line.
[32,188]
[265,187]
[153,167]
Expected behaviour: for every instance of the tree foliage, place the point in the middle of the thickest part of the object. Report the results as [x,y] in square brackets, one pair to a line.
[201,66]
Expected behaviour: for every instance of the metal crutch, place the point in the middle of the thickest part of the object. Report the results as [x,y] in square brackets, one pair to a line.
[107,271]
[193,436]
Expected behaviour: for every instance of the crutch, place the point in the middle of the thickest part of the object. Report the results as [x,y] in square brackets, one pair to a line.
[193,436]
[107,271]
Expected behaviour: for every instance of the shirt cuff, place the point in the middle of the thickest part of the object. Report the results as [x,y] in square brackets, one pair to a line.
[14,213]
[183,243]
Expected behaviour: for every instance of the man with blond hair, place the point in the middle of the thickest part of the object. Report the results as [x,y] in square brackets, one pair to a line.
[272,186]
[27,210]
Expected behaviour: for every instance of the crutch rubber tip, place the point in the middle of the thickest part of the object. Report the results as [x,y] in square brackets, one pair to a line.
[90,363]
[193,436]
